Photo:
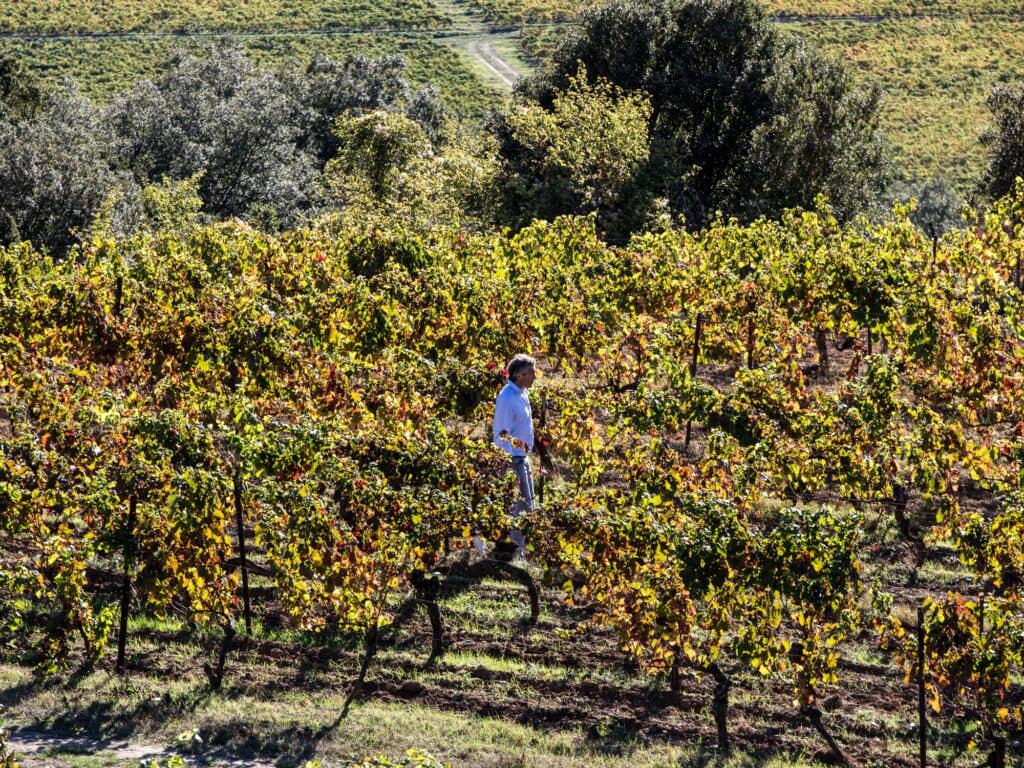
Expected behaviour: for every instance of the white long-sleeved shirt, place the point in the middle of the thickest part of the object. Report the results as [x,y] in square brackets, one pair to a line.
[512,414]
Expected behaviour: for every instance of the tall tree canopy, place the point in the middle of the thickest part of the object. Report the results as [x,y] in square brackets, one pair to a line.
[743,118]
[583,153]
[211,127]
[1005,140]
[55,171]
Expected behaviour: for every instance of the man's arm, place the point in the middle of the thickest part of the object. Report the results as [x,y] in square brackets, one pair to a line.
[502,421]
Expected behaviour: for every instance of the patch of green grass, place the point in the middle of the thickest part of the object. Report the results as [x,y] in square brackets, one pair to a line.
[296,725]
[936,75]
[78,759]
[519,668]
[478,660]
[893,7]
[73,16]
[941,573]
[517,12]
[104,66]
[503,603]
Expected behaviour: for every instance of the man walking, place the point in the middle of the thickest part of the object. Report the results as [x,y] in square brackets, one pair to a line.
[513,433]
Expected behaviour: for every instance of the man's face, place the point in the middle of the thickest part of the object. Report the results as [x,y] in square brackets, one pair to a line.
[526,378]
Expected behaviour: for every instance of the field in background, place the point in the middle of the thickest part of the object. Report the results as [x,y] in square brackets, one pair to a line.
[42,16]
[105,65]
[936,75]
[105,47]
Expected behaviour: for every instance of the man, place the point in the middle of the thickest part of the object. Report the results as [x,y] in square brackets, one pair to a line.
[513,433]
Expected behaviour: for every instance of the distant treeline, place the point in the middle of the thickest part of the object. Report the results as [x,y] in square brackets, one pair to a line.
[650,114]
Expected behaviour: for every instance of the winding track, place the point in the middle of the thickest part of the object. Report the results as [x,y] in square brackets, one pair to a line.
[484,52]
[472,33]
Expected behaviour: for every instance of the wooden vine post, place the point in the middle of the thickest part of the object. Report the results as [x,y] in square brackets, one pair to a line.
[821,342]
[750,338]
[243,564]
[697,327]
[720,707]
[922,712]
[126,584]
[118,295]
[543,425]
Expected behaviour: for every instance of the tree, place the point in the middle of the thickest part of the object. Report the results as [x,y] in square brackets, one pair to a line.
[260,139]
[580,155]
[743,119]
[55,172]
[1005,140]
[20,93]
[217,114]
[326,89]
[387,169]
[821,135]
[938,207]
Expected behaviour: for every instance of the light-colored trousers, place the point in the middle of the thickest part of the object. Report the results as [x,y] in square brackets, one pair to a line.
[524,479]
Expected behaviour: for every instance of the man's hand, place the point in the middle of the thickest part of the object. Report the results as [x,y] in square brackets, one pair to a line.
[514,441]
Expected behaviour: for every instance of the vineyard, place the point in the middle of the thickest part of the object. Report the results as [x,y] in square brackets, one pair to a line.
[767,448]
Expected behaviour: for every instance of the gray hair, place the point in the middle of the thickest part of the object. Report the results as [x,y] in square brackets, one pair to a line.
[518,364]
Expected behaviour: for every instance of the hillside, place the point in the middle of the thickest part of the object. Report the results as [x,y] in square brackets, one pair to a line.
[936,61]
[106,46]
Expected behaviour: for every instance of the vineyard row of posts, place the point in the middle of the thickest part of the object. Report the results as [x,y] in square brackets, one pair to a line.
[712,469]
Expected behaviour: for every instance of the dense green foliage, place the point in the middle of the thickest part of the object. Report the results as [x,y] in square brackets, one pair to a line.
[1006,140]
[54,171]
[743,120]
[585,153]
[255,141]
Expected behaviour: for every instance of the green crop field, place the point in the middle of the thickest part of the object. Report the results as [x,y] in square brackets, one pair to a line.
[39,16]
[105,65]
[105,47]
[936,75]
[957,8]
